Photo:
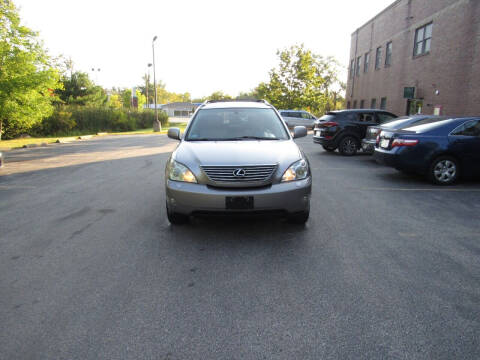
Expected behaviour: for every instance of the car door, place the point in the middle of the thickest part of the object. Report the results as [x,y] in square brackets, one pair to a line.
[465,144]
[307,119]
[295,119]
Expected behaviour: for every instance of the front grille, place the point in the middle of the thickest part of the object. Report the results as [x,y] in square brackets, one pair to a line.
[252,173]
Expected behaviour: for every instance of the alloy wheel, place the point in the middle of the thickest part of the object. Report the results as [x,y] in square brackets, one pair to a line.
[445,171]
[349,146]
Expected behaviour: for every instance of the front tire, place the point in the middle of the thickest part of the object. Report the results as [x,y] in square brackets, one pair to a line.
[444,170]
[176,218]
[348,146]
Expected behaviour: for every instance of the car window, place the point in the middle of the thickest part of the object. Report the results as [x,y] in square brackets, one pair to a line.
[405,121]
[396,122]
[382,117]
[470,128]
[365,117]
[427,127]
[306,115]
[225,124]
[328,117]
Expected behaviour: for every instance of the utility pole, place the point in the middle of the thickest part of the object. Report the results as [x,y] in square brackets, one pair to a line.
[148,85]
[156,124]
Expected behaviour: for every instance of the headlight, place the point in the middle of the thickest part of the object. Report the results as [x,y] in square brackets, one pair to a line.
[297,171]
[179,172]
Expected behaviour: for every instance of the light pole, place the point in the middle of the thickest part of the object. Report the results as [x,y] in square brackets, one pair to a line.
[95,74]
[156,124]
[148,85]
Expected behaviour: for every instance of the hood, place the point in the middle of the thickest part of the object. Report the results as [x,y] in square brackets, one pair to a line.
[246,152]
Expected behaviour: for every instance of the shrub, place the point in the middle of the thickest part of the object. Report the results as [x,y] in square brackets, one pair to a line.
[76,120]
[60,122]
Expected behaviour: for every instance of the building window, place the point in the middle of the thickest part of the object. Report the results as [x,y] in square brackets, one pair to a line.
[383,103]
[378,57]
[366,62]
[352,68]
[362,104]
[373,104]
[388,54]
[348,104]
[359,61]
[354,104]
[423,39]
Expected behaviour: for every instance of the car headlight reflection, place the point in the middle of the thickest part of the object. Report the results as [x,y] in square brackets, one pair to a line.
[179,172]
[297,171]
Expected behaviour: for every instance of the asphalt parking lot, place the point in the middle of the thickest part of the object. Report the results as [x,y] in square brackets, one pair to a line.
[387,266]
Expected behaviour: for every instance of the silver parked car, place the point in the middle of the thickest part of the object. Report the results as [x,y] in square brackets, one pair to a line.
[298,118]
[237,157]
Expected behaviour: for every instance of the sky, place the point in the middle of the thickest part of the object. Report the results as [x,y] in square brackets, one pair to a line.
[203,45]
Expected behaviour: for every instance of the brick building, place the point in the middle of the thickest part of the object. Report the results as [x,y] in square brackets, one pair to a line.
[418,56]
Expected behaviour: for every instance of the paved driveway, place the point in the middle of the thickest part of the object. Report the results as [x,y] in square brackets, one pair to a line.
[387,267]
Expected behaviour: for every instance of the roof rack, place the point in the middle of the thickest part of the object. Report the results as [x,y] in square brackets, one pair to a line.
[234,100]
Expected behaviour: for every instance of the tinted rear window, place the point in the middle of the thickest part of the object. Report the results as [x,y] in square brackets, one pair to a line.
[407,121]
[427,127]
[328,117]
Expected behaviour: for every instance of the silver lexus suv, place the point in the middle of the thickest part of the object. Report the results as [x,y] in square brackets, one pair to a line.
[237,157]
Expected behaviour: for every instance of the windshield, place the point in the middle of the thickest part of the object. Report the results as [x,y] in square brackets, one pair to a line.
[236,124]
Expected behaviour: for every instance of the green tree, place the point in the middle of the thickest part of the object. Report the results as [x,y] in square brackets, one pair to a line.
[27,75]
[126,98]
[219,95]
[141,99]
[302,80]
[78,89]
[114,101]
[252,95]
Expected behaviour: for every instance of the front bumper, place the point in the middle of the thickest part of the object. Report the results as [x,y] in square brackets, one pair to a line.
[289,197]
[368,146]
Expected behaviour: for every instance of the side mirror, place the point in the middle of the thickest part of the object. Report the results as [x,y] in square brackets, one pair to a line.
[299,131]
[174,133]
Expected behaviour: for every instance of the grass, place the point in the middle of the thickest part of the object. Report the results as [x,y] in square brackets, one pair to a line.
[18,143]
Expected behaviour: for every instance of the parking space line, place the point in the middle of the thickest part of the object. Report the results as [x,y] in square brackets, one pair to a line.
[412,189]
[16,187]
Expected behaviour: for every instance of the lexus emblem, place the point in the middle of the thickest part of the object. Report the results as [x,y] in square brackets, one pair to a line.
[239,172]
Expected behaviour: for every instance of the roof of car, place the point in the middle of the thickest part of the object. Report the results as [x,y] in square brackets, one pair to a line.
[356,110]
[236,104]
[293,110]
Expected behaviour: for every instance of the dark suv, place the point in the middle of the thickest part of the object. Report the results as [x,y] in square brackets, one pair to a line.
[345,129]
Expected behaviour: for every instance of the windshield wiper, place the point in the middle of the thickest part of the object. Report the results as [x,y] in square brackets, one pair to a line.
[204,139]
[252,137]
[234,138]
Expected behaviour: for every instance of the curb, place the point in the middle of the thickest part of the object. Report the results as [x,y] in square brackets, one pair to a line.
[29,146]
[65,140]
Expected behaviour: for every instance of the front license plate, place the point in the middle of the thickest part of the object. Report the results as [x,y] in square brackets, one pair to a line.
[239,202]
[384,143]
